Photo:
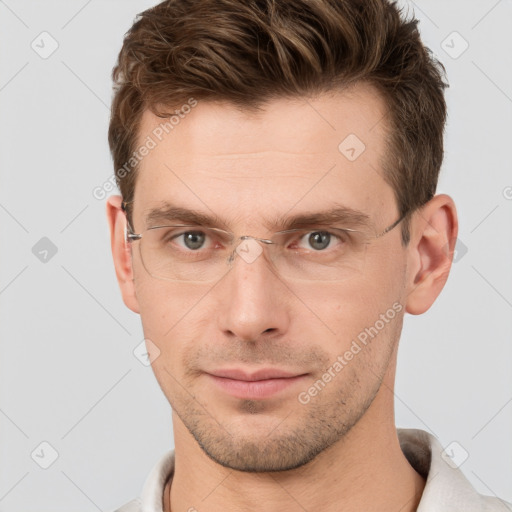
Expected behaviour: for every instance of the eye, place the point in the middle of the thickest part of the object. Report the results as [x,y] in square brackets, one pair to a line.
[320,240]
[192,240]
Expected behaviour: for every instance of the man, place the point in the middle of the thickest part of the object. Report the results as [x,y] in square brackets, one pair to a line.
[278,162]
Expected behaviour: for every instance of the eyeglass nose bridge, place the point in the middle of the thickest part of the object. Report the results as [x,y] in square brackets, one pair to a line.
[247,237]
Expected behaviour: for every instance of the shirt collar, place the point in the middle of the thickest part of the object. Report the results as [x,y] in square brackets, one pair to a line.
[446,487]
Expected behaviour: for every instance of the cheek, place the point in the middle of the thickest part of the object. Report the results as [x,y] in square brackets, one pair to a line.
[352,310]
[383,280]
[167,309]
[167,314]
[340,306]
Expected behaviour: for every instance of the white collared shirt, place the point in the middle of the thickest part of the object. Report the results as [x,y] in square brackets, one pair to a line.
[446,489]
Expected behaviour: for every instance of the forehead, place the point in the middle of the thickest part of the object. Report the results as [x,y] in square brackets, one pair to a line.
[294,154]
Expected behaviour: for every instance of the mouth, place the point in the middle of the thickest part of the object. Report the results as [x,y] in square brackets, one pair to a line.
[257,385]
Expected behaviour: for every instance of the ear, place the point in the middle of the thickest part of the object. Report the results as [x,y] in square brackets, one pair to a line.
[121,252]
[434,230]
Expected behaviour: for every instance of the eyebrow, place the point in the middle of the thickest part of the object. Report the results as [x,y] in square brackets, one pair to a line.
[338,213]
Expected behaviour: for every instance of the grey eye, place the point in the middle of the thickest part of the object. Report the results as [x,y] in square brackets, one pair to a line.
[193,239]
[319,240]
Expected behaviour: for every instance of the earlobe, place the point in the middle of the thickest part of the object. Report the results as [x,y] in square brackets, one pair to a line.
[121,252]
[433,236]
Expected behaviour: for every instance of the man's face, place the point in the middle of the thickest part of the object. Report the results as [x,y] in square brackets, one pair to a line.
[248,170]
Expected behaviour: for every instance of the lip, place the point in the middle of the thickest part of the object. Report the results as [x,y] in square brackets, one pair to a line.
[255,385]
[262,374]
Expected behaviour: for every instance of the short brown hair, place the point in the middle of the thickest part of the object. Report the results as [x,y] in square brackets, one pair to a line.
[250,51]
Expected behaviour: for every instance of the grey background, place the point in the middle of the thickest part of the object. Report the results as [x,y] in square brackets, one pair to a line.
[68,375]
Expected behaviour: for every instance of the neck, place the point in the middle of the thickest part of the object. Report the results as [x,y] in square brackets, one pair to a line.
[366,469]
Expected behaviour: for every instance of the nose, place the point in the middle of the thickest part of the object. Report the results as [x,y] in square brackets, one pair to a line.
[253,301]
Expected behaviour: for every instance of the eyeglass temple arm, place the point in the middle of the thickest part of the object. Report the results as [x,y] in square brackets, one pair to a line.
[130,235]
[394,225]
